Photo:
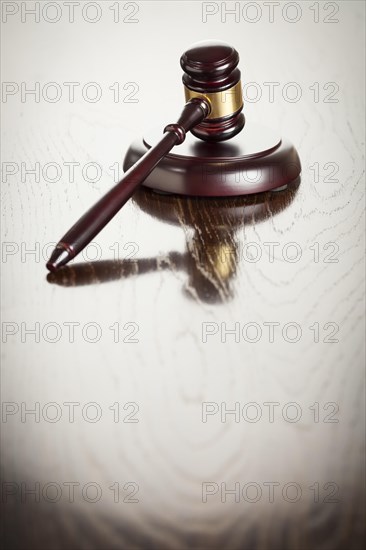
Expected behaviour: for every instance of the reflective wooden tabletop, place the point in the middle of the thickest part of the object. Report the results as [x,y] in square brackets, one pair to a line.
[195,378]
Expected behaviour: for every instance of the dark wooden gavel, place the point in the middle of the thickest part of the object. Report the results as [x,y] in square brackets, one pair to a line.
[212,113]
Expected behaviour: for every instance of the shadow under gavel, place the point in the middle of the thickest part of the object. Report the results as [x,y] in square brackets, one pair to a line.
[209,271]
[212,249]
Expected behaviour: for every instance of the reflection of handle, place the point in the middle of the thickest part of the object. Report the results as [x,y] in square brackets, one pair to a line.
[93,221]
[105,271]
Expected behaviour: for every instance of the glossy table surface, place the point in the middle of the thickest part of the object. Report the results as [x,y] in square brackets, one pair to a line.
[197,376]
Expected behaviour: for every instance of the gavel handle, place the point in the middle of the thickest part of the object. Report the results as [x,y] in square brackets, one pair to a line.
[93,221]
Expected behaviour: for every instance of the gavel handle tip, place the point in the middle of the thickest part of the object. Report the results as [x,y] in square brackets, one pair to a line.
[59,257]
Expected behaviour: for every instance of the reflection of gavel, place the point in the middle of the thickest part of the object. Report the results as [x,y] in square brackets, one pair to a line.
[212,113]
[212,250]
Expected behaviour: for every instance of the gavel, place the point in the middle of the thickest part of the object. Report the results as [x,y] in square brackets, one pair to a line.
[212,113]
[210,71]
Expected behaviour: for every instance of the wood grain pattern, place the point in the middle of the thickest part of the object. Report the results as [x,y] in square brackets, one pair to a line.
[164,268]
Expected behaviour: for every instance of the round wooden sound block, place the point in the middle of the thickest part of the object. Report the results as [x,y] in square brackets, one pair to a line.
[253,161]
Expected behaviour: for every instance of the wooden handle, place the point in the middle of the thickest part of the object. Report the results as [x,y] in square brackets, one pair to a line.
[93,221]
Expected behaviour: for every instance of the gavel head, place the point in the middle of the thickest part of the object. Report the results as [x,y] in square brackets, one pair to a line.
[210,72]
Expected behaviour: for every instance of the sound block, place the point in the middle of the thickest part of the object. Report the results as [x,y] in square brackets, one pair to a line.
[253,161]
